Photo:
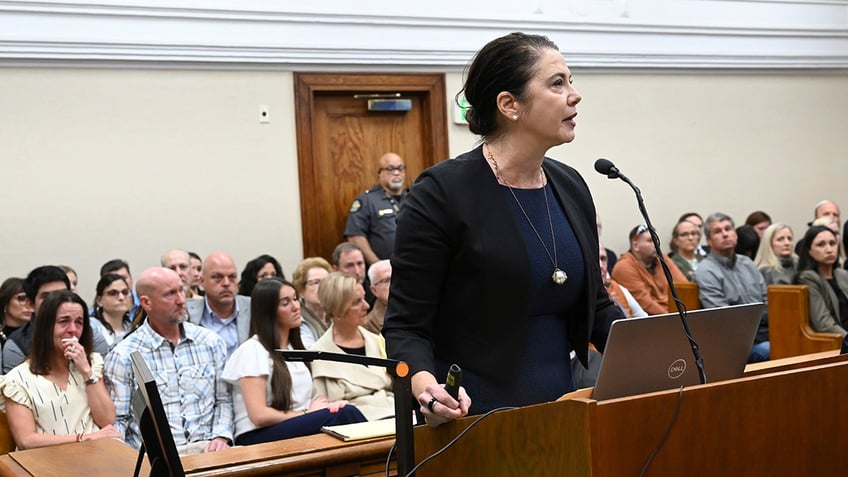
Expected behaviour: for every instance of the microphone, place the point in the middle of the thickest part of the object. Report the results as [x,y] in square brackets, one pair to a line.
[607,168]
[453,381]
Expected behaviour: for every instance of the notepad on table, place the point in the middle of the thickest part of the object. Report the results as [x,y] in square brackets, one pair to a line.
[362,430]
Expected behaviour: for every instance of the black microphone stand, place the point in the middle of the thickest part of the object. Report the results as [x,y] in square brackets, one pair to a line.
[614,173]
[402,388]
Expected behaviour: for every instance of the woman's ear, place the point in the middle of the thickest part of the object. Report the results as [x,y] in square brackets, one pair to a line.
[508,106]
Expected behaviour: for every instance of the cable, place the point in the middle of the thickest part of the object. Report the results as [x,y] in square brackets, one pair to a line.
[389,458]
[455,439]
[667,432]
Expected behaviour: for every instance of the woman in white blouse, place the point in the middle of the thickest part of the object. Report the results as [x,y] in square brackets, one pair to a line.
[272,398]
[57,395]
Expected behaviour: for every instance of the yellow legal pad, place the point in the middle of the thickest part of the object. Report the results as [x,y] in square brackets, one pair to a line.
[362,430]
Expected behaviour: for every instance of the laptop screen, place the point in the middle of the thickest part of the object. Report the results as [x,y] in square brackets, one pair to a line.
[653,354]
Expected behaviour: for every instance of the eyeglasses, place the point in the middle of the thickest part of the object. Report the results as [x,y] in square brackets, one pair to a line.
[21,298]
[694,234]
[115,293]
[393,169]
[382,282]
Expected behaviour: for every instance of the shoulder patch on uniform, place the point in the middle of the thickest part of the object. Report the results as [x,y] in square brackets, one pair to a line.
[355,206]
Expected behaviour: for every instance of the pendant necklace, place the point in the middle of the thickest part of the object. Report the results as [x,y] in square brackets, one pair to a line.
[559,277]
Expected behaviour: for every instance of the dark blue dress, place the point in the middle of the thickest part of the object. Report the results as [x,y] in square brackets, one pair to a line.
[543,355]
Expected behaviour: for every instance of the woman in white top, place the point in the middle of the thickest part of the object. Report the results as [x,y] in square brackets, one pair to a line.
[272,398]
[112,304]
[57,395]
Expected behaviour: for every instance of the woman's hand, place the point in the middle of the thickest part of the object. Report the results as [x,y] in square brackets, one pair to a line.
[107,432]
[320,402]
[336,405]
[439,407]
[75,353]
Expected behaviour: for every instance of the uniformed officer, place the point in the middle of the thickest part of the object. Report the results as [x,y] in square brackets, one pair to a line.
[371,221]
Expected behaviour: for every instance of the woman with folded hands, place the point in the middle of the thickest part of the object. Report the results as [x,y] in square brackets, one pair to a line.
[367,387]
[273,398]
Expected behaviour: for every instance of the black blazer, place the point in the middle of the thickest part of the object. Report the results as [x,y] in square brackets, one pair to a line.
[460,273]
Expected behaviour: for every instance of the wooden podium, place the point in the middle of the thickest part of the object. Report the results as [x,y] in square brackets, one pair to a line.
[789,422]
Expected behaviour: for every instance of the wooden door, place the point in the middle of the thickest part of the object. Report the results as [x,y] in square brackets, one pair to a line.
[339,143]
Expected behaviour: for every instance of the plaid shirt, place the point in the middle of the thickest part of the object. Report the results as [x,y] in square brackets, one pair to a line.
[197,401]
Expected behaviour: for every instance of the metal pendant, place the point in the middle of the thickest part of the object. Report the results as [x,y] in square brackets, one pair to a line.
[559,277]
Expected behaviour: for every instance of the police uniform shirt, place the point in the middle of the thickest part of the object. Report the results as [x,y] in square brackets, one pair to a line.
[372,215]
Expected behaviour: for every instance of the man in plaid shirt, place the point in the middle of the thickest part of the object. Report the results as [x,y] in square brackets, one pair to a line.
[186,361]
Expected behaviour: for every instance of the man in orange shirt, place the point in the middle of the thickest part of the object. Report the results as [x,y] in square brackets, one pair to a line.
[640,272]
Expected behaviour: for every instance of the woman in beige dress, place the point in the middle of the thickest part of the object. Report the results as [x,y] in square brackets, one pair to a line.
[369,388]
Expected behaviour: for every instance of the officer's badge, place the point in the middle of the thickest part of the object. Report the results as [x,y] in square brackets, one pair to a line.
[355,206]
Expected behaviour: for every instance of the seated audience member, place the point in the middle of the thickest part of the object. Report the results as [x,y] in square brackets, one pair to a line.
[17,309]
[196,275]
[639,270]
[832,224]
[747,241]
[122,268]
[618,293]
[186,360]
[272,398]
[380,277]
[775,258]
[348,258]
[37,285]
[222,310]
[179,261]
[112,304]
[369,388]
[685,238]
[306,279]
[258,269]
[696,219]
[612,257]
[72,276]
[818,268]
[57,395]
[824,209]
[725,278]
[759,220]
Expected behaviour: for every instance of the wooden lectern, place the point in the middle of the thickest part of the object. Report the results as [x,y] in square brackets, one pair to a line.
[789,422]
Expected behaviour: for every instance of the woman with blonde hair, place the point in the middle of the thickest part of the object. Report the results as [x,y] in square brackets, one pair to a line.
[369,388]
[775,258]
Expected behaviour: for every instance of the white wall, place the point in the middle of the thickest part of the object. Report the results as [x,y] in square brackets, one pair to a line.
[104,163]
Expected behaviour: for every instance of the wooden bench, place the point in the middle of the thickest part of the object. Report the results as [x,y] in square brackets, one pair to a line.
[790,331]
[688,294]
[7,443]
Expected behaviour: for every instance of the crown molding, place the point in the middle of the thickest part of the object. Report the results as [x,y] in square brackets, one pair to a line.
[606,34]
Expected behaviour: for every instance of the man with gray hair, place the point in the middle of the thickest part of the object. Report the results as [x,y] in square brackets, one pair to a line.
[725,278]
[380,276]
[180,262]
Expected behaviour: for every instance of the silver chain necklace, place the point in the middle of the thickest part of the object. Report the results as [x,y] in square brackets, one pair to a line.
[559,277]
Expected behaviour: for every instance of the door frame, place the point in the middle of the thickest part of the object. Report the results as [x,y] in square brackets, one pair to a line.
[308,85]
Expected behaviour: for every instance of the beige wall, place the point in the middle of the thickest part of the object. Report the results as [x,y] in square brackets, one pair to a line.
[129,163]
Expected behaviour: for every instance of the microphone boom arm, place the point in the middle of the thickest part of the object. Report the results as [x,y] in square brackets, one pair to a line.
[681,309]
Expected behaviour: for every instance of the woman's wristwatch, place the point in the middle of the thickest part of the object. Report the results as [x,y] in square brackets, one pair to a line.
[92,379]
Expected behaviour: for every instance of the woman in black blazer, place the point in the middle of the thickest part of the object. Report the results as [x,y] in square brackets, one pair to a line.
[495,265]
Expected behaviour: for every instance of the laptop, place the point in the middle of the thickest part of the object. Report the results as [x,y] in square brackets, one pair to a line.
[653,354]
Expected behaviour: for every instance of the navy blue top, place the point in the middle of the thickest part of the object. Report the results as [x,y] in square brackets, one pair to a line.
[543,356]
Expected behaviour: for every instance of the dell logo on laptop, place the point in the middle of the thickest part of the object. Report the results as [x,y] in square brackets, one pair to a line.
[676,369]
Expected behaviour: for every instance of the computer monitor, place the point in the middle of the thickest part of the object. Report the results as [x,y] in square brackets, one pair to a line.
[158,442]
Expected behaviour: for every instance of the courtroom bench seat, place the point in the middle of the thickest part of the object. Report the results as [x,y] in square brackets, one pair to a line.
[688,294]
[790,332]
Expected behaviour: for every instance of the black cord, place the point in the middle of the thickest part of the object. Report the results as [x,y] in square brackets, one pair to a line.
[389,458]
[667,432]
